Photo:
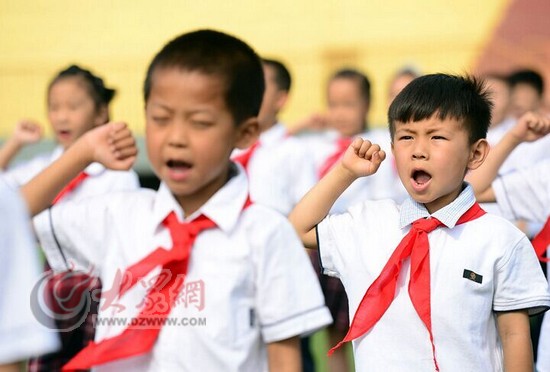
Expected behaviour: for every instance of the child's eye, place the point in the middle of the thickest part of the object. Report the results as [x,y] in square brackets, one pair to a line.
[438,137]
[160,119]
[405,138]
[201,123]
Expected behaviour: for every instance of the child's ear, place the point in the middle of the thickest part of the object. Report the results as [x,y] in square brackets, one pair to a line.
[282,97]
[247,133]
[102,116]
[478,152]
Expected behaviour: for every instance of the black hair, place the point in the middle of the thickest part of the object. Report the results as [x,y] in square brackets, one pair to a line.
[282,75]
[464,98]
[359,77]
[215,53]
[101,95]
[529,77]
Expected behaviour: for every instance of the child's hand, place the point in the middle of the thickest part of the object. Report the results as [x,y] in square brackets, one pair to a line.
[362,158]
[27,132]
[530,127]
[112,145]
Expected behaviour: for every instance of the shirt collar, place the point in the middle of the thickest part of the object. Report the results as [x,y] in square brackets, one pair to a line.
[273,134]
[224,207]
[411,210]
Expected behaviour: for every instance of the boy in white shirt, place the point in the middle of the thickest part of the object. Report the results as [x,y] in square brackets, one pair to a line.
[279,169]
[240,299]
[456,293]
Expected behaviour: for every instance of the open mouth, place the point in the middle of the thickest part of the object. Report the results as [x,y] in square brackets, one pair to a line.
[421,177]
[178,170]
[64,133]
[178,165]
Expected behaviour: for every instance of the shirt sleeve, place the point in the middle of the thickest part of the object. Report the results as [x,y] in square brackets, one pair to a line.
[289,299]
[519,281]
[72,234]
[21,334]
[332,233]
[525,194]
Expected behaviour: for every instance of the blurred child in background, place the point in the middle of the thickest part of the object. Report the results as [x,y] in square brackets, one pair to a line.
[77,101]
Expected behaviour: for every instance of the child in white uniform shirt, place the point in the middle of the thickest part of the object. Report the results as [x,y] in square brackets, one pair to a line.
[348,103]
[472,282]
[522,194]
[21,335]
[77,101]
[279,169]
[249,291]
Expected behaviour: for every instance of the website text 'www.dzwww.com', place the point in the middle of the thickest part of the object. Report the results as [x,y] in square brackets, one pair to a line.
[150,322]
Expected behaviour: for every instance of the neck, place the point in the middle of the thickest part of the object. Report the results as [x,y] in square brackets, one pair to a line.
[194,201]
[269,125]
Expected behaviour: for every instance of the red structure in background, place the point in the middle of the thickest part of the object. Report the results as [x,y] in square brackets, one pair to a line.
[521,40]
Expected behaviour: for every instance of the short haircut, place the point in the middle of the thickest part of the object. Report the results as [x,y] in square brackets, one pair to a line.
[361,79]
[528,77]
[283,79]
[97,90]
[463,98]
[215,53]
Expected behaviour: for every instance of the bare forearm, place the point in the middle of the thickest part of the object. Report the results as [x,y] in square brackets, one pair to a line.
[518,354]
[8,152]
[516,341]
[481,178]
[285,356]
[316,204]
[42,189]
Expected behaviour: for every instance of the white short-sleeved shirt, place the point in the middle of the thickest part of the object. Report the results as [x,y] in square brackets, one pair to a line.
[384,184]
[21,335]
[356,245]
[525,194]
[280,171]
[257,284]
[101,180]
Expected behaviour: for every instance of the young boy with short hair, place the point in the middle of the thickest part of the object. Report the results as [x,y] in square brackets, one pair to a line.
[240,296]
[279,168]
[456,293]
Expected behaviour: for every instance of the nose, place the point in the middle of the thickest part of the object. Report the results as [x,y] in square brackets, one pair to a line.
[59,115]
[178,136]
[420,150]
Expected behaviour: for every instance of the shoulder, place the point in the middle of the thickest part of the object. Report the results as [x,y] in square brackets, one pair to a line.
[370,214]
[122,204]
[129,177]
[495,231]
[260,216]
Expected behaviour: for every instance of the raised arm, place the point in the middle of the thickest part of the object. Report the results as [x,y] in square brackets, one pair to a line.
[361,159]
[529,128]
[111,145]
[26,132]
